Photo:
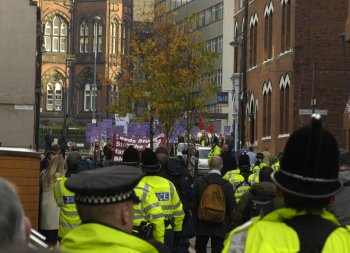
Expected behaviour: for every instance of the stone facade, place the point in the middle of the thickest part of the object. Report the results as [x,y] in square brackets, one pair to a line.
[68,33]
[301,39]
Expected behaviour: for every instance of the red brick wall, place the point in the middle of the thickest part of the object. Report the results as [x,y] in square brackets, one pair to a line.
[315,26]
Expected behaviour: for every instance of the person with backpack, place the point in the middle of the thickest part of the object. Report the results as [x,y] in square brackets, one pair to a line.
[241,179]
[259,200]
[307,181]
[213,204]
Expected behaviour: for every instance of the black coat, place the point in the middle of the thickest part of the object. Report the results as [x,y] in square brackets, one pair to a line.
[209,229]
[229,162]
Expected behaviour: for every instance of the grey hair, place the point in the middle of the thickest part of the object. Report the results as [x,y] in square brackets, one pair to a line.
[12,228]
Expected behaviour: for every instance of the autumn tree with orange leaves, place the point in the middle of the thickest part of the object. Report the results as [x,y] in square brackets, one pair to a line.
[164,71]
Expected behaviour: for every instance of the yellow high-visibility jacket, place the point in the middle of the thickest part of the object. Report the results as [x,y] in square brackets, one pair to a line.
[97,238]
[168,199]
[149,210]
[213,152]
[240,186]
[65,199]
[271,235]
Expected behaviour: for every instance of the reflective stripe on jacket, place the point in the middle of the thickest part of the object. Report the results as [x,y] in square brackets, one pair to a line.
[271,234]
[168,199]
[149,210]
[65,199]
[240,186]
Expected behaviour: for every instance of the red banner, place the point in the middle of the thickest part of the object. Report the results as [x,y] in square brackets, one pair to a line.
[121,142]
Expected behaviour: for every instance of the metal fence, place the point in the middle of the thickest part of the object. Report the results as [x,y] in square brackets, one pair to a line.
[76,135]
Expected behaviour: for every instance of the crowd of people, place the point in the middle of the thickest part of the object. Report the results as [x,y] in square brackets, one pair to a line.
[150,203]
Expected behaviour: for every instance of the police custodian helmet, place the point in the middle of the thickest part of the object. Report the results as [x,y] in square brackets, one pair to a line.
[106,185]
[309,166]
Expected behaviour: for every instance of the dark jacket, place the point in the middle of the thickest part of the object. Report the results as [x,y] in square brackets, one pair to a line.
[209,229]
[229,162]
[341,206]
[241,213]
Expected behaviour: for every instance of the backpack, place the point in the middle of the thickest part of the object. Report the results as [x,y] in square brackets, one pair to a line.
[261,205]
[212,207]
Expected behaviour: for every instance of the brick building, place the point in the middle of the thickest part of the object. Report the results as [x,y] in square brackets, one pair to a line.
[68,31]
[291,44]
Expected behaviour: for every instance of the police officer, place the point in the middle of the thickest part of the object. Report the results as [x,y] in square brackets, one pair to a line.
[307,180]
[148,214]
[242,178]
[69,217]
[167,197]
[215,149]
[255,168]
[104,200]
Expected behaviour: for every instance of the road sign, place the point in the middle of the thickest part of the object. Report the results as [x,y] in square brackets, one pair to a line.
[309,112]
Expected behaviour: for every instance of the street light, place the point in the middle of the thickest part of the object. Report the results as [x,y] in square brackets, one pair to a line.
[96,20]
[237,86]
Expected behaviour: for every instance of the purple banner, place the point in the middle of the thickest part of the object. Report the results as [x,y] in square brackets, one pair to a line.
[227,130]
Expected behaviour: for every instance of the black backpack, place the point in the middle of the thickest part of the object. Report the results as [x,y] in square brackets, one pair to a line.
[261,205]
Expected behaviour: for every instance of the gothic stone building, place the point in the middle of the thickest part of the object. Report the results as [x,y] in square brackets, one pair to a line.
[291,44]
[72,30]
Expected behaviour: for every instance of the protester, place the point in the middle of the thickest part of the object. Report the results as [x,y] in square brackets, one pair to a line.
[267,156]
[259,200]
[14,226]
[48,141]
[49,215]
[108,153]
[207,227]
[229,159]
[148,220]
[252,155]
[65,199]
[167,197]
[105,200]
[340,207]
[62,142]
[307,180]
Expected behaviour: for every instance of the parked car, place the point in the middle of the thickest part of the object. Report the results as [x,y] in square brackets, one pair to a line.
[199,162]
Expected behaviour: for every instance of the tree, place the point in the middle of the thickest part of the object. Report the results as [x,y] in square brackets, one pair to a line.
[164,70]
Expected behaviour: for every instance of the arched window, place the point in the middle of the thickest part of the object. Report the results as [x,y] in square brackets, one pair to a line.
[115,32]
[98,31]
[267,90]
[84,37]
[89,98]
[284,104]
[56,35]
[54,96]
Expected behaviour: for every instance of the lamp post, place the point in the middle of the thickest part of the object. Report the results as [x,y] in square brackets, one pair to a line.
[69,61]
[96,20]
[238,87]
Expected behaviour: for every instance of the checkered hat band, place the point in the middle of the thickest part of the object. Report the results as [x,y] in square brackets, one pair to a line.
[102,200]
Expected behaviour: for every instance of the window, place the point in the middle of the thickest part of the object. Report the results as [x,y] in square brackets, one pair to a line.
[54,96]
[98,30]
[253,39]
[124,39]
[215,45]
[89,98]
[284,104]
[251,110]
[84,37]
[267,90]
[285,32]
[56,33]
[268,31]
[210,15]
[115,31]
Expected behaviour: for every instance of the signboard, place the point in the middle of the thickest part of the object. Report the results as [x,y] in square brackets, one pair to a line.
[227,130]
[121,142]
[222,99]
[309,112]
